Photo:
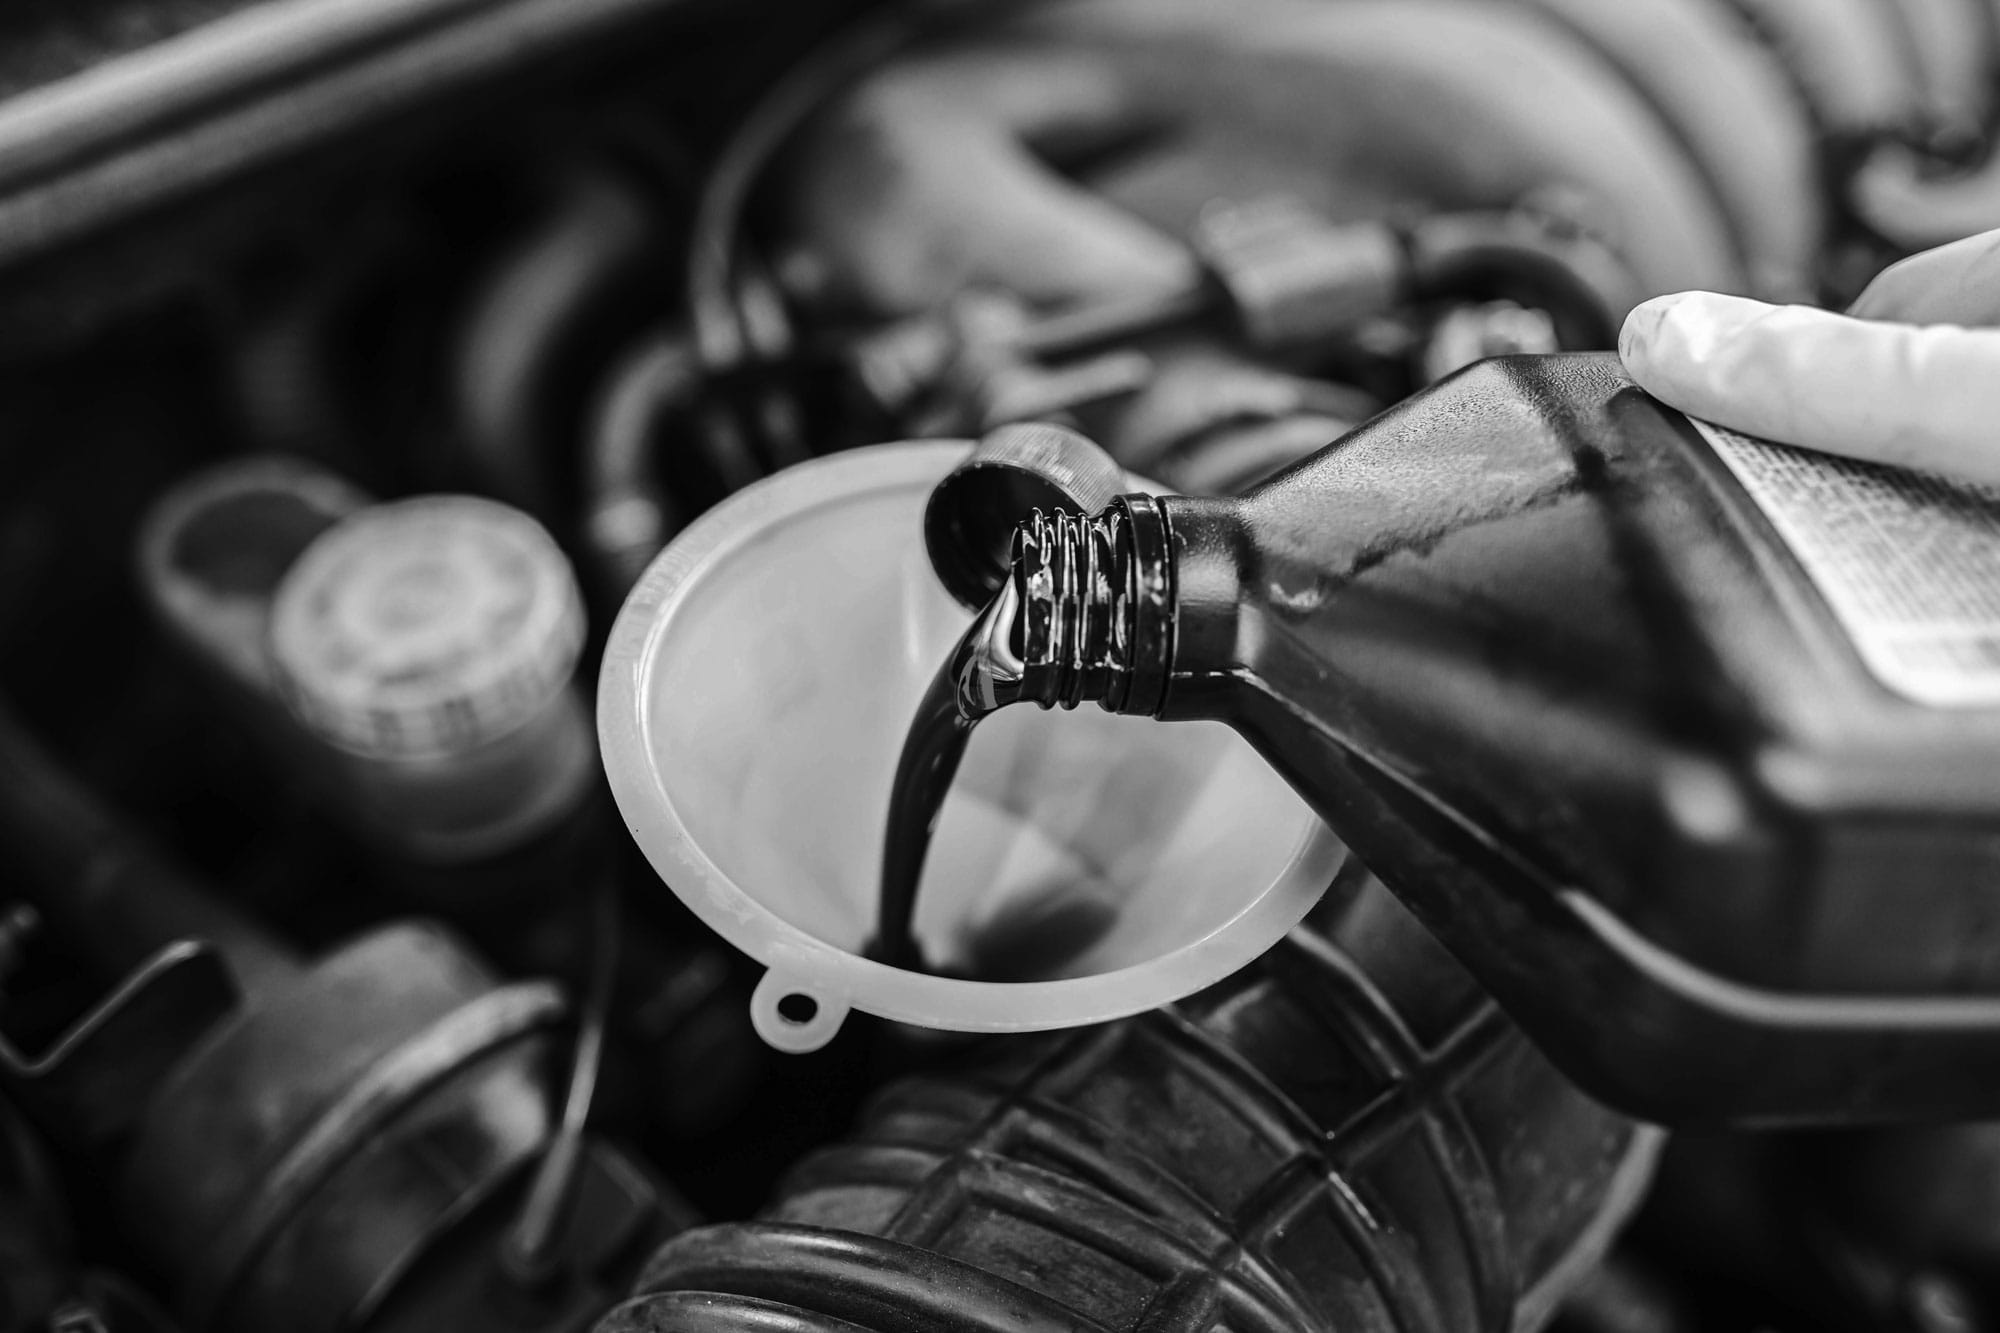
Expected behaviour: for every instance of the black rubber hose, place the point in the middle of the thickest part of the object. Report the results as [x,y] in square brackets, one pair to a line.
[1583,285]
[736,310]
[559,285]
[628,514]
[99,885]
[530,1252]
[722,338]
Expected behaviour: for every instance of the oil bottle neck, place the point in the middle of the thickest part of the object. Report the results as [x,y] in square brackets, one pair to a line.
[1093,608]
[1096,606]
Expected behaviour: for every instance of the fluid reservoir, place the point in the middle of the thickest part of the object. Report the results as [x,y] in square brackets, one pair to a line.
[1344,1135]
[431,642]
[407,665]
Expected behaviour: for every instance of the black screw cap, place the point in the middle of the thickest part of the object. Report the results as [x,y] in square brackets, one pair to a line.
[970,520]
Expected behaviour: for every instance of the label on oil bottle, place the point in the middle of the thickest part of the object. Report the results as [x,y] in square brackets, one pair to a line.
[1909,561]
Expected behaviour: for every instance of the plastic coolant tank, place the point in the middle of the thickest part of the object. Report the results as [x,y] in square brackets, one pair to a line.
[430,642]
[753,702]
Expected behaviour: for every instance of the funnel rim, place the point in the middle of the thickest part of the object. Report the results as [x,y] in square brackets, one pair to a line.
[825,970]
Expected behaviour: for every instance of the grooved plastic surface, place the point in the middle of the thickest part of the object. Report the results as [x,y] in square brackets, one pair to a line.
[1285,1151]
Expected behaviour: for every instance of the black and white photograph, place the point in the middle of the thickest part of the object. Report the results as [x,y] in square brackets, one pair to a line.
[1000,666]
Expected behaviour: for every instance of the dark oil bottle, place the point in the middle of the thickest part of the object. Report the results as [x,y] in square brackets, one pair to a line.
[1688,745]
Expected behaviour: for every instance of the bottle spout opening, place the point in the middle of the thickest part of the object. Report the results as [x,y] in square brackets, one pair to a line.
[1089,608]
[988,665]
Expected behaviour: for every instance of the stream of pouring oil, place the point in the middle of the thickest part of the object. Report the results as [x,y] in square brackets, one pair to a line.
[974,680]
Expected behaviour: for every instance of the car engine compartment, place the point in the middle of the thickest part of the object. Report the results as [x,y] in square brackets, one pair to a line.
[306,1023]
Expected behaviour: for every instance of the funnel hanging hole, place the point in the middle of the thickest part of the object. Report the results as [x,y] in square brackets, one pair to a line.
[795,1017]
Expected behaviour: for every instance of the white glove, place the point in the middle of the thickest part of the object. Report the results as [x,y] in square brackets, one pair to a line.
[1909,376]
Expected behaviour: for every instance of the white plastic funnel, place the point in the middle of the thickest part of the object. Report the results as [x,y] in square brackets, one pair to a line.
[752,706]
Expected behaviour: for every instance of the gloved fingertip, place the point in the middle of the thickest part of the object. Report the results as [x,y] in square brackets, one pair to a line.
[1640,336]
[1736,361]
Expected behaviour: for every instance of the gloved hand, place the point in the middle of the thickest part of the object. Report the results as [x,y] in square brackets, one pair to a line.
[1910,375]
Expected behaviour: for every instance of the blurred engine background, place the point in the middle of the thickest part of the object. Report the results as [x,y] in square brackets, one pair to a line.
[320,1008]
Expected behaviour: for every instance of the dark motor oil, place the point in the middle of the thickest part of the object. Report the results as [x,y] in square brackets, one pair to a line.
[1687,744]
[966,688]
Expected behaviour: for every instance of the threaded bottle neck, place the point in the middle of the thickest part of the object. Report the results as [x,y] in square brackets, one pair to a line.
[1094,607]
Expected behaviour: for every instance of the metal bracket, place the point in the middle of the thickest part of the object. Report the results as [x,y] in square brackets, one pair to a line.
[94,1078]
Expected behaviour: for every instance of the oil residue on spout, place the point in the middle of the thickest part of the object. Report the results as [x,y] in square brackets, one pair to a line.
[981,675]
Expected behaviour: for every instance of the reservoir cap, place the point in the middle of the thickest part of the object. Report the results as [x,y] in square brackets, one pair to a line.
[426,626]
[970,519]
